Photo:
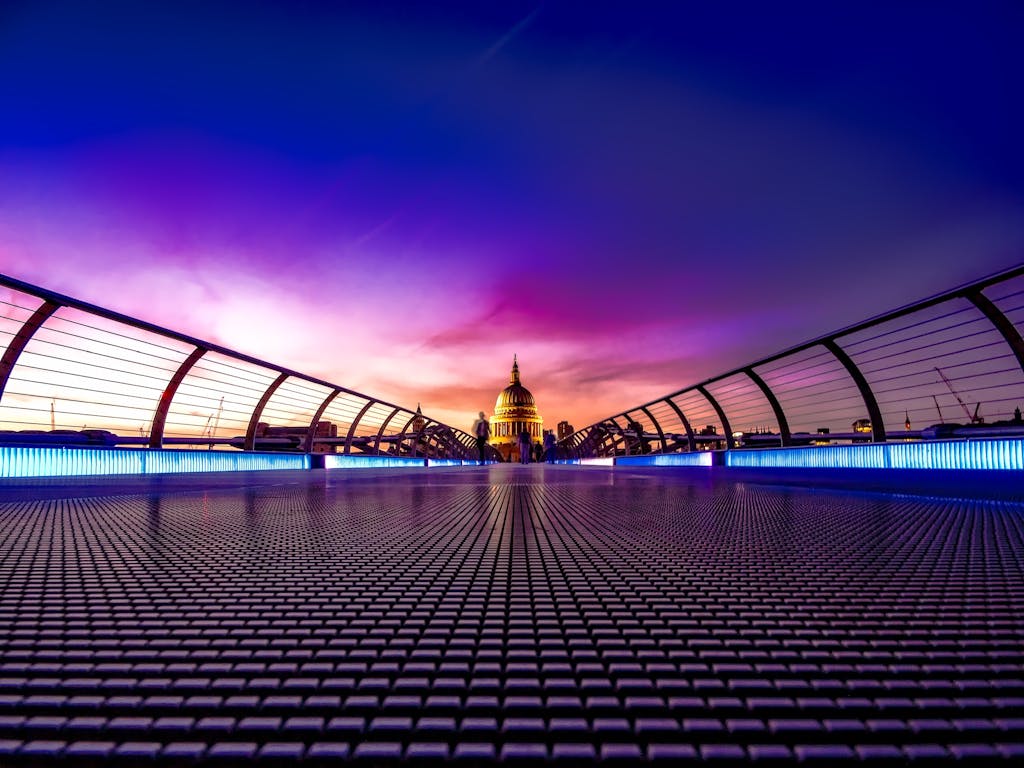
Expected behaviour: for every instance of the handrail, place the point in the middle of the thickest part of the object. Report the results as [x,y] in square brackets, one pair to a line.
[101,375]
[976,340]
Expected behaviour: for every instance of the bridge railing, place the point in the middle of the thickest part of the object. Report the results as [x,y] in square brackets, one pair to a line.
[949,366]
[72,373]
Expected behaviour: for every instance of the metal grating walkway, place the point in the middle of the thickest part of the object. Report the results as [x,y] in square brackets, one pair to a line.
[506,614]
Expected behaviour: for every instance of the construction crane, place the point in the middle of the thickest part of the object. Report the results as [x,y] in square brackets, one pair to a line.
[972,418]
[209,431]
[216,421]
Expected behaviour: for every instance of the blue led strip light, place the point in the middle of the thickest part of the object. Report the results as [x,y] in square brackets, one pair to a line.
[341,461]
[1003,454]
[19,461]
[475,463]
[699,459]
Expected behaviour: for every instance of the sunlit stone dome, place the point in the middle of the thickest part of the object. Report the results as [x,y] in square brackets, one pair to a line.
[515,396]
[515,411]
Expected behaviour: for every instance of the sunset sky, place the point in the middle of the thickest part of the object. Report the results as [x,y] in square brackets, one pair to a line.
[398,197]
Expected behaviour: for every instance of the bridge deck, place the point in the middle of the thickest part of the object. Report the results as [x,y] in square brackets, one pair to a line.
[505,614]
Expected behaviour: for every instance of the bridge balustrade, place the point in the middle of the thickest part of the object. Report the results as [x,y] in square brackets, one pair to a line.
[950,366]
[72,373]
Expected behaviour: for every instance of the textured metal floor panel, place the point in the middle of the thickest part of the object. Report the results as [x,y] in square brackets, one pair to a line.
[507,614]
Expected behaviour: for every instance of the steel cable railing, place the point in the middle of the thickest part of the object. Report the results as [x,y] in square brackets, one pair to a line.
[72,373]
[951,365]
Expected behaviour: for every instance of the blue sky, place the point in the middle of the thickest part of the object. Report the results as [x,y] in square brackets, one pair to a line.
[631,198]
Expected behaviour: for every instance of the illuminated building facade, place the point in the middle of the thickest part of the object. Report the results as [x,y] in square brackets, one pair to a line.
[514,411]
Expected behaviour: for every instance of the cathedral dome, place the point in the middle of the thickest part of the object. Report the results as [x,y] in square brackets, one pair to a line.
[515,398]
[515,412]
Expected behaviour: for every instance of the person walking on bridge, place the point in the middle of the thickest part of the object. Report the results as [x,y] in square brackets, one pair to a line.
[525,446]
[549,446]
[482,430]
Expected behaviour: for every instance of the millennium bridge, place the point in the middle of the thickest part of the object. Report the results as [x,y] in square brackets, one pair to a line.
[209,559]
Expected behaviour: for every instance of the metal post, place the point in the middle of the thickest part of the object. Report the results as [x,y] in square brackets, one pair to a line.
[354,424]
[730,443]
[163,406]
[250,433]
[686,425]
[307,442]
[874,413]
[21,340]
[784,435]
[383,426]
[1002,323]
[401,435]
[657,426]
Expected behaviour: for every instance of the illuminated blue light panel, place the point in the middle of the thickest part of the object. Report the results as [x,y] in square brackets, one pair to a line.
[697,459]
[475,463]
[1005,453]
[18,461]
[371,462]
[456,463]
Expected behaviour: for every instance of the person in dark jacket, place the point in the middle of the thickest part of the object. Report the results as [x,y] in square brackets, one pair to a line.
[482,430]
[549,447]
[525,446]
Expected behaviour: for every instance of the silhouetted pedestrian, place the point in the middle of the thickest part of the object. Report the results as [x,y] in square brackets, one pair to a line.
[482,430]
[549,447]
[525,446]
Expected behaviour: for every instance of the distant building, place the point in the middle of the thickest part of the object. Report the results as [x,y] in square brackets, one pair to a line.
[710,430]
[324,429]
[514,412]
[418,444]
[419,421]
[862,427]
[564,430]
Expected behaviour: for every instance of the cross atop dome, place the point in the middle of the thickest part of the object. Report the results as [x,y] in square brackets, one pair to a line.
[514,378]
